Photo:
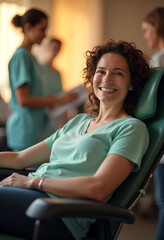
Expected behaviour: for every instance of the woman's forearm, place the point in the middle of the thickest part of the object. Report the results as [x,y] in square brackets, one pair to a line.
[38,102]
[9,160]
[32,156]
[76,187]
[25,99]
[111,173]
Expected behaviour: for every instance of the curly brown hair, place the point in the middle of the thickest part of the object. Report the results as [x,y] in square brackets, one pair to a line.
[138,66]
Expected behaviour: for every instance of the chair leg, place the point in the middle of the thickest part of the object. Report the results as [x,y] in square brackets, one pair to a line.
[107,228]
[37,230]
[37,235]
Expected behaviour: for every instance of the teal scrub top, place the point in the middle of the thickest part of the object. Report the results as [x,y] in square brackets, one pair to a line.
[77,153]
[25,126]
[51,80]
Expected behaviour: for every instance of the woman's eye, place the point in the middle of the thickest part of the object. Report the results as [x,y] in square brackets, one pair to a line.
[100,71]
[118,73]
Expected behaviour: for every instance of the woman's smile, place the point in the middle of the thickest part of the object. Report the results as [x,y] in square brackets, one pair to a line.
[107,90]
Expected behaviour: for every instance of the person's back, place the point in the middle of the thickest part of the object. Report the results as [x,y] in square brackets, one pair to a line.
[51,76]
[153,26]
[51,80]
[4,113]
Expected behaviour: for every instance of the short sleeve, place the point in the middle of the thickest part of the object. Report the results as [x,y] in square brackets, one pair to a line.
[157,59]
[19,68]
[131,142]
[50,140]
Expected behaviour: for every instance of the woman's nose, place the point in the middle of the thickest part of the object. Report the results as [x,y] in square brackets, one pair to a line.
[108,78]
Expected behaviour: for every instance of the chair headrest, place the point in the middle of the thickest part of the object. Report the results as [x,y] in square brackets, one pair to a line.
[146,106]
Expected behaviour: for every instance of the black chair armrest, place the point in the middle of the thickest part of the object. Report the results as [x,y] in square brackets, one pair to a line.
[46,208]
[5,172]
[2,124]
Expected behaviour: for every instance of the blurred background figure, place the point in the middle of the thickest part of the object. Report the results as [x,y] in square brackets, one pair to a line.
[153,27]
[52,82]
[52,77]
[28,122]
[4,113]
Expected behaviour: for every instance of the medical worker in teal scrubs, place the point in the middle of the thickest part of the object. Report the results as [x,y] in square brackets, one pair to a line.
[91,155]
[28,122]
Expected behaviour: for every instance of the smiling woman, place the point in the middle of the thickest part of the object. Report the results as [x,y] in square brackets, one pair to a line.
[92,154]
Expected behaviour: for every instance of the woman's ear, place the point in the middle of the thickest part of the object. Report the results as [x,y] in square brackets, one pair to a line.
[130,87]
[27,26]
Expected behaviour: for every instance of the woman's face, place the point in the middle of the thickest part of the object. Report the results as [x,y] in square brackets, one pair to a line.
[111,81]
[150,35]
[37,32]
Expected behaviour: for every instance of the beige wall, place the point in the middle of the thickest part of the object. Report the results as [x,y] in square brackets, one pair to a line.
[79,24]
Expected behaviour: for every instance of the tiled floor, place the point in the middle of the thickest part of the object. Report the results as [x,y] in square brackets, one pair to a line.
[145,225]
[142,229]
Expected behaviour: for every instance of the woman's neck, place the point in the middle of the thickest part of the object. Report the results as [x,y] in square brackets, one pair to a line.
[161,44]
[104,118]
[26,44]
[111,113]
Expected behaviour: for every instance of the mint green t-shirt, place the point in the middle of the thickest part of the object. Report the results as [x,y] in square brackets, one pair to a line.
[25,126]
[77,153]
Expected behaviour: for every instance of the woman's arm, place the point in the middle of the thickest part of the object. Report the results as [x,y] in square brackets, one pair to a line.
[29,157]
[112,172]
[25,99]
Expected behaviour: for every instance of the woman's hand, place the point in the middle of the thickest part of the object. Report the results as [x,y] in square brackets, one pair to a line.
[53,101]
[18,181]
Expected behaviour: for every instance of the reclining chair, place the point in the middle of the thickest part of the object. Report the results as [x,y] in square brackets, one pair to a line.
[110,216]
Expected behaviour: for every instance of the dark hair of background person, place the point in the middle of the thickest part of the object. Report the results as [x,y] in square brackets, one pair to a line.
[57,43]
[138,66]
[32,16]
[51,40]
[156,18]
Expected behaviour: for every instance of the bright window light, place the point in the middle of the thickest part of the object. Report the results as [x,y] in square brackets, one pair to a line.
[10,39]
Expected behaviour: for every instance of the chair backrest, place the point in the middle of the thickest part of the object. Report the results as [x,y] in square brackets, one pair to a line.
[150,109]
